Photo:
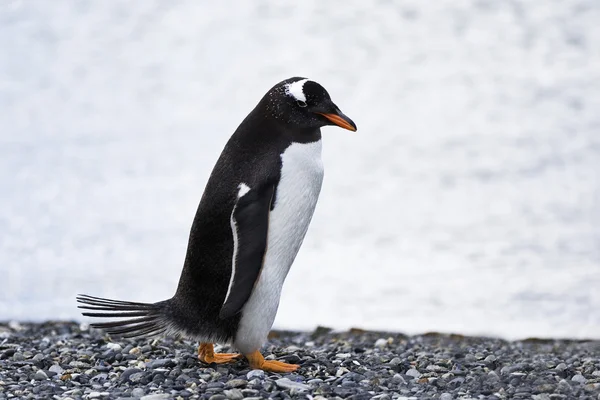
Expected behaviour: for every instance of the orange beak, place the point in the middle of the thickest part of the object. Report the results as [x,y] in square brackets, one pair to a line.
[340,120]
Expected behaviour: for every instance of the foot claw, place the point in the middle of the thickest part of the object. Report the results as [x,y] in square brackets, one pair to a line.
[279,366]
[257,361]
[221,358]
[207,355]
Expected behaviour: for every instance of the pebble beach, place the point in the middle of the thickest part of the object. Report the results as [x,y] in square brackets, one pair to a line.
[65,360]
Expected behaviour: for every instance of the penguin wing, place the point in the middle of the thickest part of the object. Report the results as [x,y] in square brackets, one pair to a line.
[249,225]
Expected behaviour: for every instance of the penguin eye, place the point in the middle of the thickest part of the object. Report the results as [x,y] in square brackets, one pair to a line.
[301,103]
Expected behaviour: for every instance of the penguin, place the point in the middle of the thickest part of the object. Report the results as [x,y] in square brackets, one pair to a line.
[250,223]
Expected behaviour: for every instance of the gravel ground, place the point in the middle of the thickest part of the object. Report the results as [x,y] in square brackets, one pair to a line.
[63,360]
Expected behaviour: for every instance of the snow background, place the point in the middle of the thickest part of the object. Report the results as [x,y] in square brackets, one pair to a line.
[468,201]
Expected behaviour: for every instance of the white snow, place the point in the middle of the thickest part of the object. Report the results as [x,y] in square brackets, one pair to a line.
[468,200]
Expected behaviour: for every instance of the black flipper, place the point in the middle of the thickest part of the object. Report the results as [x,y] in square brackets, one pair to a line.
[143,319]
[250,225]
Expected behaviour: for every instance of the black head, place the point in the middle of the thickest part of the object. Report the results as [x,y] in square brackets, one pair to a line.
[304,104]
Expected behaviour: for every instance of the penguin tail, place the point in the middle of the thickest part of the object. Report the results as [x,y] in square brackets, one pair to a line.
[140,319]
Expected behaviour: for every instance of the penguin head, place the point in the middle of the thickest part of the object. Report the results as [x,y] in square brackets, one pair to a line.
[305,104]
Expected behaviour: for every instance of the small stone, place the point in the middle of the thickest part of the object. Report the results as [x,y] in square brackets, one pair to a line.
[286,383]
[446,396]
[160,363]
[561,367]
[414,373]
[126,375]
[255,373]
[456,382]
[135,351]
[57,369]
[40,376]
[398,379]
[15,326]
[596,372]
[217,397]
[234,394]
[138,392]
[579,378]
[395,361]
[114,346]
[490,359]
[8,353]
[158,396]
[509,369]
[235,383]
[341,371]
[493,376]
[435,368]
[343,356]
[381,343]
[94,395]
[563,386]
[378,397]
[137,377]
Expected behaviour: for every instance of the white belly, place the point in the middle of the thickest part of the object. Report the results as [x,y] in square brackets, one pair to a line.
[296,198]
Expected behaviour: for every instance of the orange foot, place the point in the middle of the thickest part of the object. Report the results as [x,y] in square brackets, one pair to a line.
[257,361]
[206,353]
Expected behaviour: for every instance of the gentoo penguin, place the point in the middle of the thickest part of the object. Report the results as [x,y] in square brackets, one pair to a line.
[249,226]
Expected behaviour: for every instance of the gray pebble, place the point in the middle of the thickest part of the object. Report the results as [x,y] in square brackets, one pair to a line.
[561,367]
[158,396]
[235,383]
[579,378]
[383,396]
[255,373]
[285,383]
[135,378]
[446,396]
[343,356]
[57,369]
[395,361]
[138,392]
[234,394]
[414,373]
[563,386]
[40,376]
[160,363]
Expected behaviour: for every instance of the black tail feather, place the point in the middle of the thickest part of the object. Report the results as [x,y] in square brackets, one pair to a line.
[143,319]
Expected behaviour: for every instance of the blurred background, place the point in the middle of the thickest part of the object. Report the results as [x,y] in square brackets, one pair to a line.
[468,201]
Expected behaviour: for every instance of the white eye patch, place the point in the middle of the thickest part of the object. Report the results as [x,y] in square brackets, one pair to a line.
[296,90]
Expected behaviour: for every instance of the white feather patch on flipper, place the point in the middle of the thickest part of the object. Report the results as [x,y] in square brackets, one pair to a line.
[243,189]
[295,201]
[296,89]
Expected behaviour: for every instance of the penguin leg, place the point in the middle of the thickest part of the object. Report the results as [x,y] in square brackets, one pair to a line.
[257,361]
[206,354]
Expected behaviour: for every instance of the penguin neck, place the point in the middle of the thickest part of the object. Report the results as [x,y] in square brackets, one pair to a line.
[302,135]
